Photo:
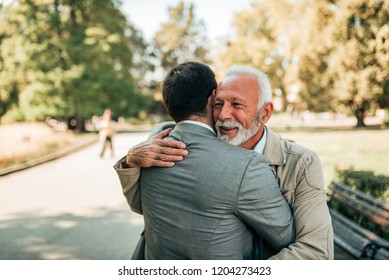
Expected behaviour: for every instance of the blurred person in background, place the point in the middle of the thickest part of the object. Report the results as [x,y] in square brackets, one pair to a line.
[106,131]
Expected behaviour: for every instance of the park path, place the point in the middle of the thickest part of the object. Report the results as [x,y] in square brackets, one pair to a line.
[70,208]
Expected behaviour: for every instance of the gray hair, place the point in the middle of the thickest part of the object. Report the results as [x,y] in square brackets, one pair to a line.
[265,94]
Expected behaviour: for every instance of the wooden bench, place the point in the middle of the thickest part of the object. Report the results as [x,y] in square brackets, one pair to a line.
[358,241]
[353,236]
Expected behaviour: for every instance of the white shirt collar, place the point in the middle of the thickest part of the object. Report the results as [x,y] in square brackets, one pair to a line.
[262,142]
[200,124]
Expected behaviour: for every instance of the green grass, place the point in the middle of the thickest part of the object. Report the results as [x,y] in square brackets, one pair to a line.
[361,149]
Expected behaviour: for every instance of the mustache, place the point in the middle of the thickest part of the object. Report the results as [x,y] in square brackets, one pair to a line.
[228,124]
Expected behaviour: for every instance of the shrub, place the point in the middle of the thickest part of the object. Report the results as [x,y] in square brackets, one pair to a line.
[366,181]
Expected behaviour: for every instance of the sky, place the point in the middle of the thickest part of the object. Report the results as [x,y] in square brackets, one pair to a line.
[147,15]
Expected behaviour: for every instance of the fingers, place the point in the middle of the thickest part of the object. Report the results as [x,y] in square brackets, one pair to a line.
[153,159]
[161,163]
[156,152]
[167,151]
[169,143]
[168,158]
[150,162]
[154,155]
[163,134]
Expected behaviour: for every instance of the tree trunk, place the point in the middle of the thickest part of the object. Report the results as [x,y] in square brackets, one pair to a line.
[360,115]
[80,124]
[285,101]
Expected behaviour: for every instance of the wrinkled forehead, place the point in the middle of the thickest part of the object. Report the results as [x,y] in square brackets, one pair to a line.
[238,85]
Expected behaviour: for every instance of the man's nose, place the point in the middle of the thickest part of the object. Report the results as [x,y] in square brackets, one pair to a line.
[225,113]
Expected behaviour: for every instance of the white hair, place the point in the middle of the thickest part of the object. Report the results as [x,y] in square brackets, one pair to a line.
[265,94]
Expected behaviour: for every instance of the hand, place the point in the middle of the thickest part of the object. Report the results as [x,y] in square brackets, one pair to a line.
[156,151]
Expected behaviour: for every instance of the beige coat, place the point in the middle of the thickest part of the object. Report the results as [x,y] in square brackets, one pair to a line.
[299,173]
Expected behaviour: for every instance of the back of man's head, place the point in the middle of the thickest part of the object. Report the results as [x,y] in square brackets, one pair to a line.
[186,90]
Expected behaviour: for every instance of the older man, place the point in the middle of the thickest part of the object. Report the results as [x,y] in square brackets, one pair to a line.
[242,107]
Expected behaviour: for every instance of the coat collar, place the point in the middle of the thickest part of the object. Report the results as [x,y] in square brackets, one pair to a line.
[274,150]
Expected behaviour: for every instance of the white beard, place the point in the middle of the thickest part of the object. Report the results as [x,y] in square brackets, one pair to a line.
[242,135]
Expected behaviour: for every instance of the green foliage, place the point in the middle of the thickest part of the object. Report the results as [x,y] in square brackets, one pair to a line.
[367,182]
[257,42]
[182,38]
[69,58]
[321,55]
[314,52]
[359,57]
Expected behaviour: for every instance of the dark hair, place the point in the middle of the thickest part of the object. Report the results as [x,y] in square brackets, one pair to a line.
[186,90]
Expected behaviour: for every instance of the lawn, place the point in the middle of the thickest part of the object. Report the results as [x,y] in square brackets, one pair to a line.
[24,142]
[361,149]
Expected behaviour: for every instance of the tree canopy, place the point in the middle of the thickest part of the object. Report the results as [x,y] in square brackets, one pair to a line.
[68,58]
[323,55]
[359,57]
[182,37]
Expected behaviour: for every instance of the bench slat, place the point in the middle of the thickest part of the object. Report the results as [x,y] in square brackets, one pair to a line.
[362,196]
[358,241]
[375,214]
[365,205]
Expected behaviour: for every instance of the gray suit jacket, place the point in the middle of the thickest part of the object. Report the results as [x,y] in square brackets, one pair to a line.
[212,204]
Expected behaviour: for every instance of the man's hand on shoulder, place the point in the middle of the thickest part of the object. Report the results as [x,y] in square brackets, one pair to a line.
[156,151]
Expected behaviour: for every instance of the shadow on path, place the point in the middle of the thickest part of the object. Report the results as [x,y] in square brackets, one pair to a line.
[105,234]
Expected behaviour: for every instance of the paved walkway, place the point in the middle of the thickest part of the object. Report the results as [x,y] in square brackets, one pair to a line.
[70,208]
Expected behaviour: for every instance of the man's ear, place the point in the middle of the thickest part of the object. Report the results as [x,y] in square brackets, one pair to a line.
[266,112]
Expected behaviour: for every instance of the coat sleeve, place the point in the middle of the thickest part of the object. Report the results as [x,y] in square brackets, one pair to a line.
[129,180]
[261,205]
[314,233]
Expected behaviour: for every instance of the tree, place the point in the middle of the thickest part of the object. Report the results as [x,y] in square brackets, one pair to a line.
[70,58]
[182,38]
[359,60]
[332,53]
[314,51]
[11,77]
[266,37]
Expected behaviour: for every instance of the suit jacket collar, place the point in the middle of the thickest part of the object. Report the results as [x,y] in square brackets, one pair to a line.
[184,130]
[200,124]
[274,150]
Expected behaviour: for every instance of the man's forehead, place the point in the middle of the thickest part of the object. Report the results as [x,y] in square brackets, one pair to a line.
[229,93]
[236,84]
[236,77]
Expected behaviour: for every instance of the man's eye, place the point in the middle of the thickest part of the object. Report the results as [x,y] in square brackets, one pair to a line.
[218,105]
[237,105]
